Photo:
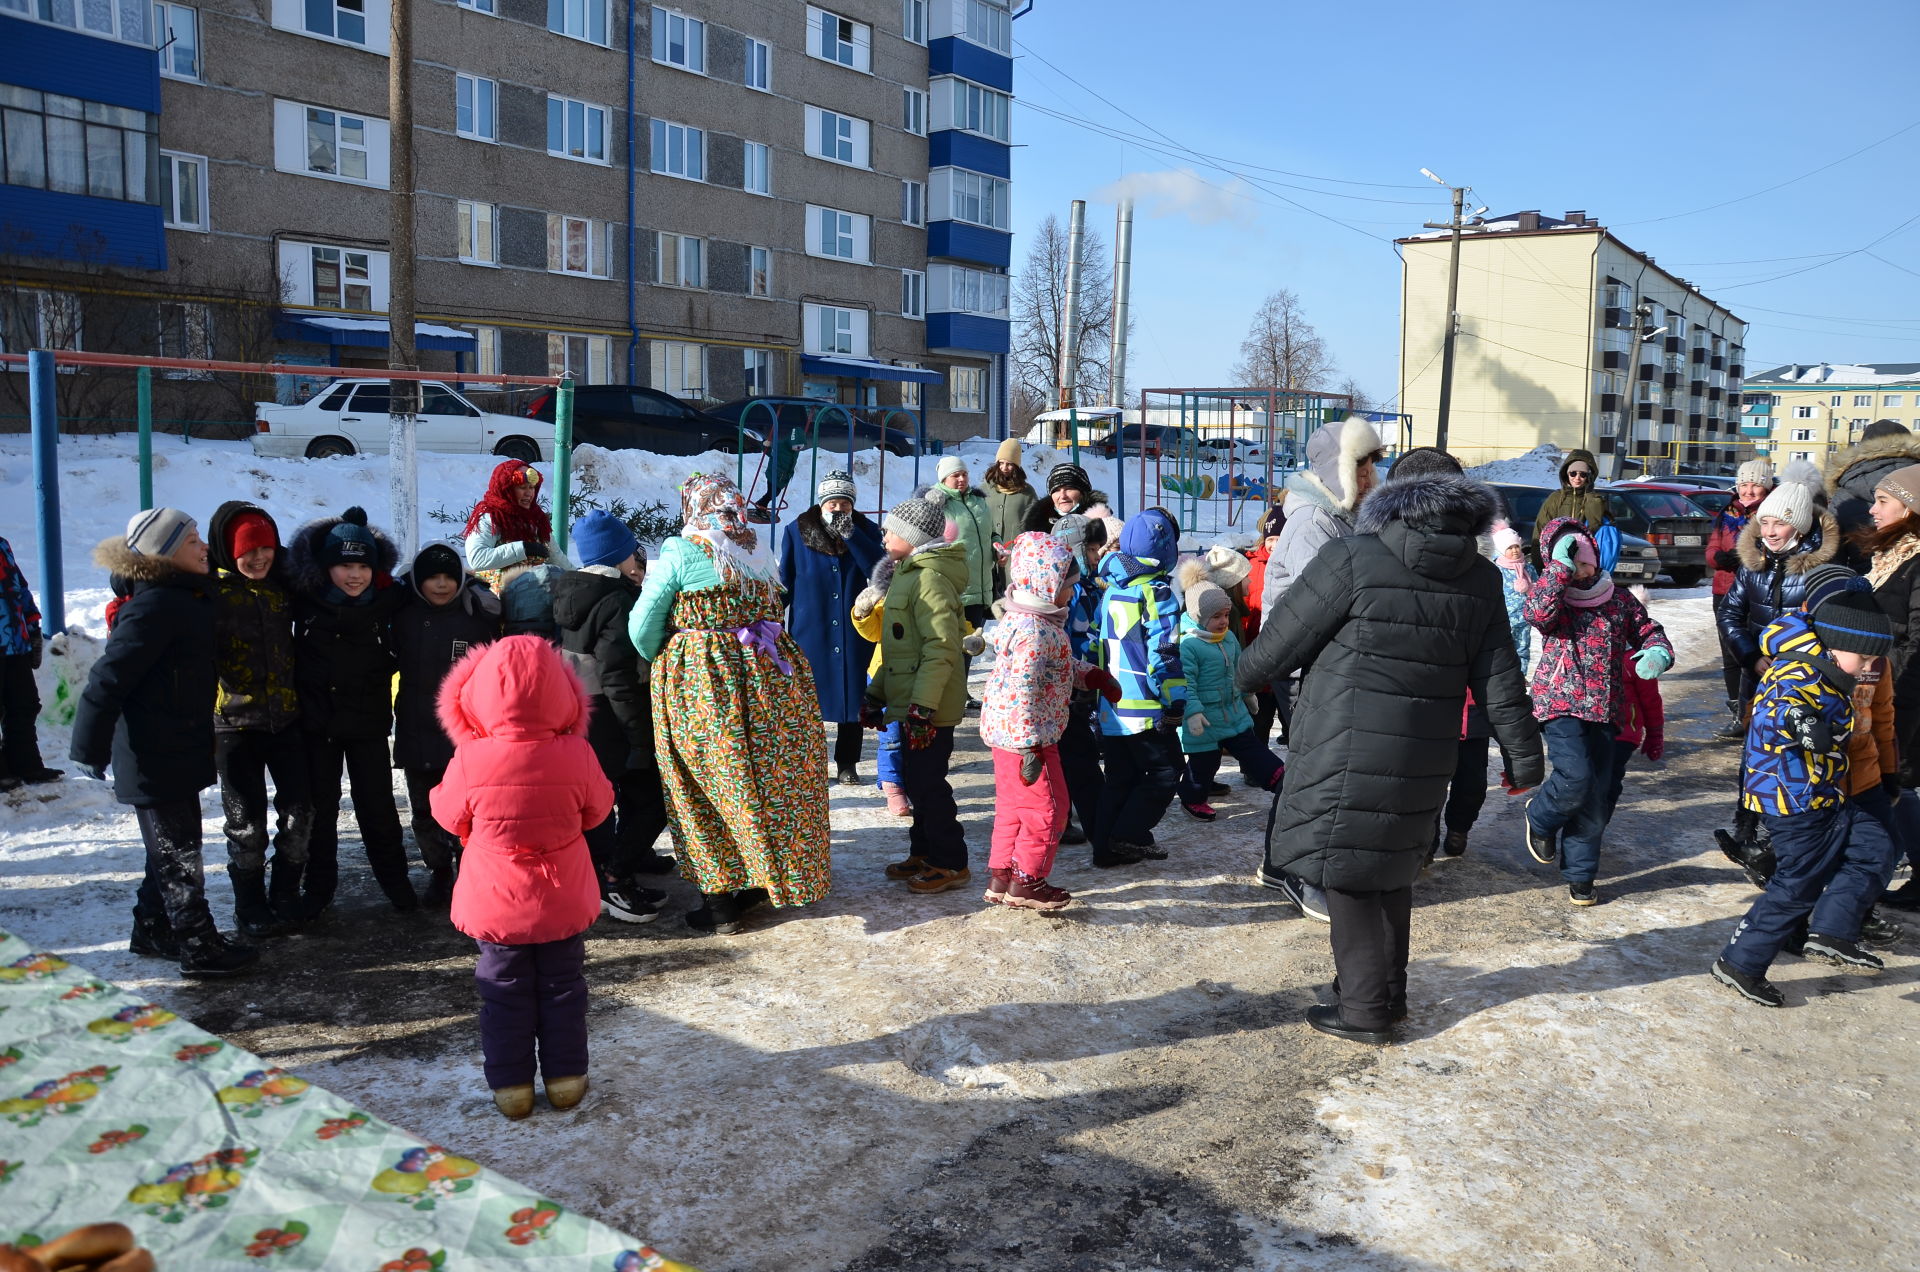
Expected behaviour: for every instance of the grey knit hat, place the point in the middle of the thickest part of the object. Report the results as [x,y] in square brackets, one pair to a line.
[157,532]
[948,466]
[1206,600]
[835,485]
[917,521]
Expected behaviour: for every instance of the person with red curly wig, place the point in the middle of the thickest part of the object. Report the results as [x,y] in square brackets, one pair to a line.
[508,527]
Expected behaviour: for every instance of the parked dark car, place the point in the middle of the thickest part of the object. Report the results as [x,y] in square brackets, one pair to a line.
[628,417]
[1669,521]
[1639,560]
[1709,499]
[1150,441]
[799,414]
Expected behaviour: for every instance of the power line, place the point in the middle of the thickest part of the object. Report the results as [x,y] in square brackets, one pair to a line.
[1781,185]
[1823,264]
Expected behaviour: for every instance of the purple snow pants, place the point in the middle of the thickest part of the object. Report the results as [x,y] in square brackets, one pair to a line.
[529,994]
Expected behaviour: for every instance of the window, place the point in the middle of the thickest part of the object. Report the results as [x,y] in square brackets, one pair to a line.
[913,20]
[1857,423]
[576,245]
[576,130]
[336,144]
[585,358]
[831,329]
[475,114]
[989,24]
[913,111]
[1834,401]
[841,235]
[759,371]
[838,138]
[913,202]
[581,19]
[759,66]
[1859,399]
[679,367]
[342,279]
[967,291]
[343,20]
[479,244]
[833,38]
[77,147]
[126,20]
[41,320]
[913,294]
[1802,412]
[973,197]
[484,6]
[1890,399]
[679,260]
[177,29]
[486,350]
[967,389]
[679,40]
[1801,435]
[757,175]
[679,151]
[183,191]
[910,389]
[974,108]
[759,271]
[186,331]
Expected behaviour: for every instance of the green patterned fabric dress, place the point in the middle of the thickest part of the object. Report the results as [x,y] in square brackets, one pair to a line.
[742,757]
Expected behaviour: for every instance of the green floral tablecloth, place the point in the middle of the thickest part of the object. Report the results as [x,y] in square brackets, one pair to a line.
[113,1108]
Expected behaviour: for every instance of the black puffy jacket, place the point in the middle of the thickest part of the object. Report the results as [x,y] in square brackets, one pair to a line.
[591,609]
[1392,625]
[148,704]
[343,662]
[427,640]
[1768,585]
[253,623]
[1851,477]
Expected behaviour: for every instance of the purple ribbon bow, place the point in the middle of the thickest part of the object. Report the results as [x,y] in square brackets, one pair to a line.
[763,634]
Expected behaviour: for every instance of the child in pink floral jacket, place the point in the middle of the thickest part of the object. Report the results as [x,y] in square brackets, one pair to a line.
[1022,715]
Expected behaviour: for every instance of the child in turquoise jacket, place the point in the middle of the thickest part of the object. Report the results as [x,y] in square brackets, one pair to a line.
[1217,717]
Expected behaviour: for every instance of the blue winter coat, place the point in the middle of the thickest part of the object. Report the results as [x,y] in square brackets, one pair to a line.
[822,575]
[18,614]
[1140,627]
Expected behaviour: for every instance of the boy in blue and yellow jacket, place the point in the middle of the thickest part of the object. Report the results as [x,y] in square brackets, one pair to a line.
[1139,646]
[1829,853]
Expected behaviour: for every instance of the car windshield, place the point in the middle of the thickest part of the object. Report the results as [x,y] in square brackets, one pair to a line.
[1524,504]
[1663,503]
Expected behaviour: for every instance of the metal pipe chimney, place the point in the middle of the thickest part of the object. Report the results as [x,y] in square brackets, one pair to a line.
[1070,311]
[1122,301]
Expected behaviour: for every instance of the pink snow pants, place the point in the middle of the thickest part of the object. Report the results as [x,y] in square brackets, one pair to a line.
[1027,820]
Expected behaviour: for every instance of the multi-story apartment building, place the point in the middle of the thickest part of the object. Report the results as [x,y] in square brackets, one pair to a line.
[719,198]
[1809,410]
[1569,337]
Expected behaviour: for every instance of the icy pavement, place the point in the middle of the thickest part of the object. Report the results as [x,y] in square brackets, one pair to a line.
[891,1081]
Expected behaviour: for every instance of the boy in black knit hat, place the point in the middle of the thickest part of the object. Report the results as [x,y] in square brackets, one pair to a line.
[1829,854]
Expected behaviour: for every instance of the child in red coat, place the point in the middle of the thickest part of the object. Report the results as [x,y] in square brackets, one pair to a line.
[521,792]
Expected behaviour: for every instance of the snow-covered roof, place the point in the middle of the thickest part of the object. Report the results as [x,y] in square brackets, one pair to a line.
[380,324]
[1839,373]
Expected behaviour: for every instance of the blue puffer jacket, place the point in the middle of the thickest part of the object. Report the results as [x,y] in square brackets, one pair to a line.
[1768,586]
[1210,666]
[18,614]
[1787,771]
[1140,627]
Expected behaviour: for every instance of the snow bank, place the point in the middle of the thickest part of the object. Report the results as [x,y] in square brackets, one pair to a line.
[1538,467]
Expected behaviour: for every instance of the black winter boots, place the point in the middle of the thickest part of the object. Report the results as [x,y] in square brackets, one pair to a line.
[253,913]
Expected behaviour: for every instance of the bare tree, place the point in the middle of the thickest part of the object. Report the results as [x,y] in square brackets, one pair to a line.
[1039,299]
[1282,350]
[1362,400]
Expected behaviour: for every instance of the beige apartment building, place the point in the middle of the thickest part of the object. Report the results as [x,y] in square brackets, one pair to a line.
[1569,337]
[1810,410]
[717,198]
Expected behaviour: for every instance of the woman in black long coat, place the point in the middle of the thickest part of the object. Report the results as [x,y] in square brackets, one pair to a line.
[1393,625]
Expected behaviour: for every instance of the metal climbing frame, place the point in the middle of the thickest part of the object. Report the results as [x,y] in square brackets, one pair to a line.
[1228,450]
[782,445]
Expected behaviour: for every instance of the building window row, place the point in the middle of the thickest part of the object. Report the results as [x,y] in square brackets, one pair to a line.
[832,38]
[71,146]
[115,19]
[679,151]
[973,197]
[965,106]
[177,34]
[576,129]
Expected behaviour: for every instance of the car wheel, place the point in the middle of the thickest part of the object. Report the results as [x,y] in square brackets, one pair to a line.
[328,447]
[1687,576]
[521,448]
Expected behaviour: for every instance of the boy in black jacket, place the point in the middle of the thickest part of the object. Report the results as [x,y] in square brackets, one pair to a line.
[448,612]
[256,718]
[148,710]
[343,610]
[591,607]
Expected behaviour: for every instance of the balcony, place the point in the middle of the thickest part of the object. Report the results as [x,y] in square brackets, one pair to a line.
[967,333]
[1699,354]
[1718,362]
[1675,344]
[1609,401]
[958,241]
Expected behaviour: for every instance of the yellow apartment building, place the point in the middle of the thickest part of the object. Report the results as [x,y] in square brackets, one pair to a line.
[1568,336]
[1810,410]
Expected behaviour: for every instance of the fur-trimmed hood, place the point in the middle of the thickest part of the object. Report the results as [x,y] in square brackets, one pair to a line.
[813,532]
[1579,456]
[303,556]
[114,556]
[515,687]
[1859,469]
[1443,505]
[1333,453]
[1817,548]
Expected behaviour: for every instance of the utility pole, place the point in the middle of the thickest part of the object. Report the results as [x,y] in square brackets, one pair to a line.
[1122,301]
[1453,309]
[403,478]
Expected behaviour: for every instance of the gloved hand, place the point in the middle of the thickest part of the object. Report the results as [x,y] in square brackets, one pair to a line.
[1654,745]
[1565,550]
[873,713]
[1252,703]
[36,649]
[535,550]
[920,729]
[1651,662]
[1506,784]
[1726,559]
[98,772]
[1891,785]
[1198,723]
[1103,684]
[1810,732]
[973,644]
[864,603]
[1031,766]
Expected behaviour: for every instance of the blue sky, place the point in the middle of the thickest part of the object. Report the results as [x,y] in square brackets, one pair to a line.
[1541,107]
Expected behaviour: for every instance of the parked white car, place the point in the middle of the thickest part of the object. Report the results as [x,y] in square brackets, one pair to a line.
[1241,451]
[350,418]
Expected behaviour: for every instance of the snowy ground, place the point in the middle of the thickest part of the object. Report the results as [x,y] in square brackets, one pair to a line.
[890,1081]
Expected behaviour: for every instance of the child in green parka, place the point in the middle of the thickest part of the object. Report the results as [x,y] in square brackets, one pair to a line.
[1218,717]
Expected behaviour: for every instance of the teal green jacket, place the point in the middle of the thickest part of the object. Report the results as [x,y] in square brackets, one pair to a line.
[1210,668]
[683,566]
[975,519]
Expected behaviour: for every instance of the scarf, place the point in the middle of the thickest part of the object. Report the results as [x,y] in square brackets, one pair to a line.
[716,516]
[1213,638]
[511,522]
[1593,595]
[1890,559]
[1520,583]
